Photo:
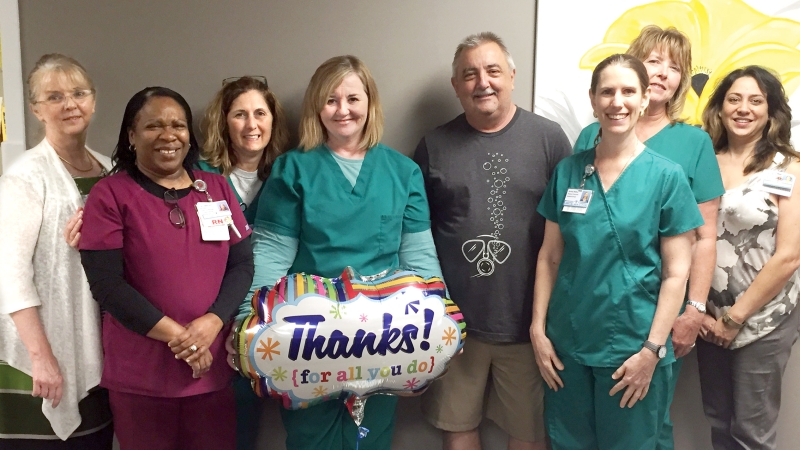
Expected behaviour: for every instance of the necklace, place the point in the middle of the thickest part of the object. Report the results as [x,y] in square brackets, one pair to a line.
[245,184]
[633,155]
[91,166]
[245,190]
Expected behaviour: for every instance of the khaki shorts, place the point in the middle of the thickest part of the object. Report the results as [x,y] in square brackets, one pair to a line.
[512,397]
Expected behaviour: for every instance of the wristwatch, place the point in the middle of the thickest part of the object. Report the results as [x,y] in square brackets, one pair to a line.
[699,306]
[728,321]
[659,350]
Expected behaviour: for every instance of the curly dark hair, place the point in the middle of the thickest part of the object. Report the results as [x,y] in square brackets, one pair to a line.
[777,133]
[124,158]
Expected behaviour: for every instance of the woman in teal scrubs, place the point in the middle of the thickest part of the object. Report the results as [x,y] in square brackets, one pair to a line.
[667,56]
[611,276]
[342,199]
[245,131]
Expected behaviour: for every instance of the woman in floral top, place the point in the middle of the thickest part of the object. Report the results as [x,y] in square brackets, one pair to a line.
[753,319]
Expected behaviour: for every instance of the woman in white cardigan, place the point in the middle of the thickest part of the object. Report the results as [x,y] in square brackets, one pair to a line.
[50,347]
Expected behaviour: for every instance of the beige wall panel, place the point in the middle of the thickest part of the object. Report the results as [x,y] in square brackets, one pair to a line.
[190,46]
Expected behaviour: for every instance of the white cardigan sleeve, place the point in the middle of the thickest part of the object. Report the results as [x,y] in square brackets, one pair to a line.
[21,211]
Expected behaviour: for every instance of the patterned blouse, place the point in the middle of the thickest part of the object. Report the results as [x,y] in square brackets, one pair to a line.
[746,228]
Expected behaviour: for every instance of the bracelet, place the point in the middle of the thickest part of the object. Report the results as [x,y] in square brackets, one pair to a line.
[728,321]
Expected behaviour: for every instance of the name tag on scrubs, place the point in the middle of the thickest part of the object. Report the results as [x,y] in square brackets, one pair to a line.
[214,219]
[777,182]
[577,201]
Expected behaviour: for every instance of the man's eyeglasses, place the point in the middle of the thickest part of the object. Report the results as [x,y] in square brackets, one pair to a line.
[260,78]
[58,98]
[176,216]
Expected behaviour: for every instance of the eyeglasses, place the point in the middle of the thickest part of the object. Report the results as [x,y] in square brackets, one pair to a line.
[260,78]
[58,98]
[176,216]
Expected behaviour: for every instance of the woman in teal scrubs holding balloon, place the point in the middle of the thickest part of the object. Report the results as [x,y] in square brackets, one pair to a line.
[342,199]
[611,276]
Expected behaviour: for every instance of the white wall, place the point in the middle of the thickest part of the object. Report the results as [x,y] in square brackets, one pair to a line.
[11,83]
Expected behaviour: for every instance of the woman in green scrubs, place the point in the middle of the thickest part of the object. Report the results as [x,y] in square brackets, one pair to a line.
[667,56]
[245,130]
[611,276]
[342,199]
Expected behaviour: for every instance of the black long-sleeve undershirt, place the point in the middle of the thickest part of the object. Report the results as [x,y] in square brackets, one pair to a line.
[105,272]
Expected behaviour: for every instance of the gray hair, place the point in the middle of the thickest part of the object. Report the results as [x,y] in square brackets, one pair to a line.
[56,63]
[475,40]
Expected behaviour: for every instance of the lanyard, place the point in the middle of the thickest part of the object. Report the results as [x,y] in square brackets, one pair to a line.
[201,186]
[587,172]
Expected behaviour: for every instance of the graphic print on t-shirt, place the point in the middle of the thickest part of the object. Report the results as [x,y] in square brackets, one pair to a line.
[487,249]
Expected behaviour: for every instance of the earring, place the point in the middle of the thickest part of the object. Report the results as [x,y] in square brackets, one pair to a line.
[641,113]
[131,148]
[594,113]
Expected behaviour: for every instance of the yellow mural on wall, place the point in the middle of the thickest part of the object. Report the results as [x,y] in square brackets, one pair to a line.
[2,104]
[725,35]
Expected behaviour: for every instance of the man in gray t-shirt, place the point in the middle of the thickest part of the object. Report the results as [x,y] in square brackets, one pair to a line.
[485,172]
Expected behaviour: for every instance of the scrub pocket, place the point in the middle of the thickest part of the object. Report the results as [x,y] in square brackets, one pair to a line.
[390,232]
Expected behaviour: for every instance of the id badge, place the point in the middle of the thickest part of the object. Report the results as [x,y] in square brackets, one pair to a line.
[777,182]
[214,219]
[577,201]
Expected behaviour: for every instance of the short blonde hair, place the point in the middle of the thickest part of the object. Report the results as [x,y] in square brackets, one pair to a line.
[216,149]
[679,49]
[56,63]
[326,79]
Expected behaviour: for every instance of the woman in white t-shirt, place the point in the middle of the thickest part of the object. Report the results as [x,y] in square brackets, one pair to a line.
[245,131]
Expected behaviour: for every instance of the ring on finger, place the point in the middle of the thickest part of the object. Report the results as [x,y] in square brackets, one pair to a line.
[193,348]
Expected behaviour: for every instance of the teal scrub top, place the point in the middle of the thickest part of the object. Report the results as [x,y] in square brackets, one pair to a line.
[338,224]
[684,144]
[251,211]
[604,299]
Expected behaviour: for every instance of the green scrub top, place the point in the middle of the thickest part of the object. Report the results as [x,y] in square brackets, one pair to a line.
[684,144]
[251,211]
[602,305]
[338,224]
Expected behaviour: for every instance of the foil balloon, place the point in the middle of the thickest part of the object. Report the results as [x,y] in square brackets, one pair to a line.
[311,339]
